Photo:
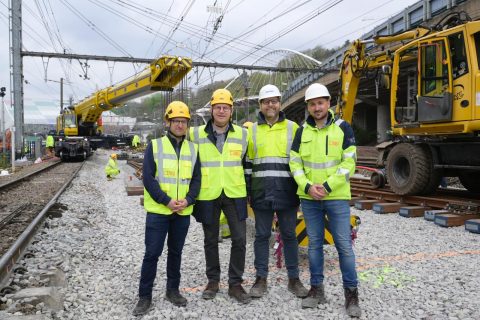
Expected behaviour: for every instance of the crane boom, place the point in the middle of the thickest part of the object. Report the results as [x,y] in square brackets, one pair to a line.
[78,122]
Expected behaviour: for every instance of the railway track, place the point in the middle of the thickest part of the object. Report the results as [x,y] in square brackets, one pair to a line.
[446,208]
[24,202]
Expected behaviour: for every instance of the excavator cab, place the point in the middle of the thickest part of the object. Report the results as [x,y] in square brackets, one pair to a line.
[423,78]
[432,84]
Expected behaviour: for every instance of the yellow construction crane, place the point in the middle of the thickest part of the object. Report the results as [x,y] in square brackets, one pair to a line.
[79,126]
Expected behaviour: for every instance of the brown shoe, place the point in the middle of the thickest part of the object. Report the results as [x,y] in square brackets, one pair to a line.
[259,288]
[236,291]
[296,287]
[315,296]
[351,302]
[211,290]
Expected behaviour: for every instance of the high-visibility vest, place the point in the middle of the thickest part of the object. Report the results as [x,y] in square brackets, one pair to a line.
[173,174]
[50,142]
[269,149]
[221,171]
[321,159]
[111,169]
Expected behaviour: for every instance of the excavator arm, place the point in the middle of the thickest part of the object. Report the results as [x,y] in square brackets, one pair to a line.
[356,62]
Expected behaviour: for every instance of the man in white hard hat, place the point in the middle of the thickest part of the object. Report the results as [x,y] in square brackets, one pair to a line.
[272,189]
[322,159]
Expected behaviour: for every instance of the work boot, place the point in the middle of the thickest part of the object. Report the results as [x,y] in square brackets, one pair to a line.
[211,290]
[351,302]
[236,291]
[259,287]
[315,296]
[174,296]
[296,287]
[142,306]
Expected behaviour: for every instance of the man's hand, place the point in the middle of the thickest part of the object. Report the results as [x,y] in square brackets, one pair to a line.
[174,206]
[182,204]
[317,191]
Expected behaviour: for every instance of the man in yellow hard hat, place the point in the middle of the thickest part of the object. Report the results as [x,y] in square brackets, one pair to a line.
[171,176]
[222,147]
[111,169]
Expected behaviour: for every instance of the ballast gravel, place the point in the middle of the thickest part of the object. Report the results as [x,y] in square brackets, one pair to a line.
[408,268]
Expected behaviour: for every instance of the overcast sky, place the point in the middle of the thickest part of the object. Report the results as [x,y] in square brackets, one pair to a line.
[147,29]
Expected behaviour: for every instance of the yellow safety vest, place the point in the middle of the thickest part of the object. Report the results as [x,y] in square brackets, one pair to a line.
[173,174]
[50,142]
[111,169]
[270,148]
[221,171]
[321,158]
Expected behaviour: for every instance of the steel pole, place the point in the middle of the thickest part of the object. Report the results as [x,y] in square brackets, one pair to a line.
[4,136]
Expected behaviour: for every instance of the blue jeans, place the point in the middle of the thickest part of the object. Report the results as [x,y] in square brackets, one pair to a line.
[287,220]
[156,229]
[338,213]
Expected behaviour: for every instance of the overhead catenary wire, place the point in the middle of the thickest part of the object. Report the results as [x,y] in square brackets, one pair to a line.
[184,13]
[94,27]
[292,27]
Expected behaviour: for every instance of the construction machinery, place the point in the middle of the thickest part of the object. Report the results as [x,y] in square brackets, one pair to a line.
[79,127]
[432,76]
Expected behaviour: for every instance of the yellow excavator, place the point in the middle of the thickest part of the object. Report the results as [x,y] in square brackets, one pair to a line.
[79,127]
[433,78]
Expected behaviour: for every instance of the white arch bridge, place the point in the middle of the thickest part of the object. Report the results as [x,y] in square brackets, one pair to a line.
[246,85]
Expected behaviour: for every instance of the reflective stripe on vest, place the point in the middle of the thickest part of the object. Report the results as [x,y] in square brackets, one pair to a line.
[272,159]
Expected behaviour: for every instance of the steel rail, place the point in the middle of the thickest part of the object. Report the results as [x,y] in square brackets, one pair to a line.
[8,183]
[8,260]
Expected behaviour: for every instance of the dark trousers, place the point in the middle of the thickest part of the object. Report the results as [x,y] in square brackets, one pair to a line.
[238,237]
[156,229]
[287,220]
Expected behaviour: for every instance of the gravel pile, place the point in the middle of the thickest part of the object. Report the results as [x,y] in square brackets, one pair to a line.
[408,268]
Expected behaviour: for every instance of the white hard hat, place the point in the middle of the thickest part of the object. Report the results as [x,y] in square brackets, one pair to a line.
[316,90]
[268,91]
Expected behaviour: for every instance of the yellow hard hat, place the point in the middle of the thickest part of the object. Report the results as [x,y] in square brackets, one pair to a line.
[113,156]
[222,96]
[177,109]
[247,124]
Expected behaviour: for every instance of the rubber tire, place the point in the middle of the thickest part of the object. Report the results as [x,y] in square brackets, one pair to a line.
[408,169]
[471,181]
[434,178]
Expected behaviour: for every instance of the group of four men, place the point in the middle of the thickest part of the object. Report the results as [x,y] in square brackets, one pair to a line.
[220,167]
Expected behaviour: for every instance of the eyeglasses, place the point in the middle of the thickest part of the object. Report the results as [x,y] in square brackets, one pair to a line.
[222,108]
[270,101]
[177,121]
